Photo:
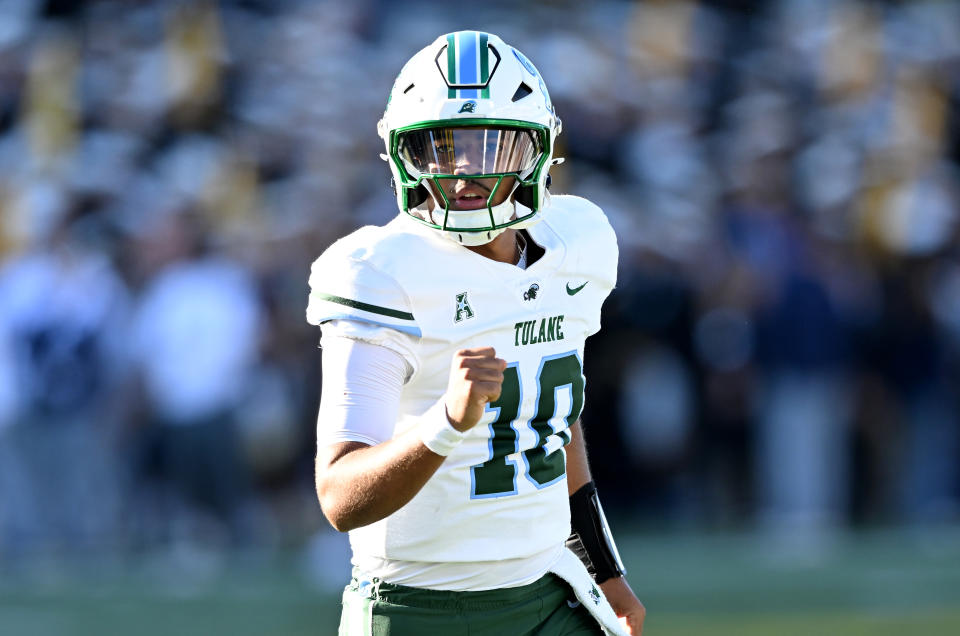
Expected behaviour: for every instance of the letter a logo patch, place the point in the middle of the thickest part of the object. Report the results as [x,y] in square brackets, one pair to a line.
[464,311]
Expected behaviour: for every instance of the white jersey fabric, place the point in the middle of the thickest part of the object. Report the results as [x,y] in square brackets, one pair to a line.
[501,495]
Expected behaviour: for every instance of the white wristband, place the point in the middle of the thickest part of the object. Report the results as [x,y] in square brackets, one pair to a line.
[437,433]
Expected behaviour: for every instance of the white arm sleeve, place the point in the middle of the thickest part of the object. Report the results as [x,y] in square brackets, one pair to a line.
[361,391]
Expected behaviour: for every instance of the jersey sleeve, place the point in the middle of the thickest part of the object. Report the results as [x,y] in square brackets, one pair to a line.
[604,252]
[352,298]
[598,254]
[350,288]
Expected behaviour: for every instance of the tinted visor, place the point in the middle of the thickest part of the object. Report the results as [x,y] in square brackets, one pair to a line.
[469,151]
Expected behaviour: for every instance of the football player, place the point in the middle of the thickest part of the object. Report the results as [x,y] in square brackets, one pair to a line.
[449,439]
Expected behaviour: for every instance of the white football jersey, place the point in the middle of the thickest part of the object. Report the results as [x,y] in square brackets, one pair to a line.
[502,493]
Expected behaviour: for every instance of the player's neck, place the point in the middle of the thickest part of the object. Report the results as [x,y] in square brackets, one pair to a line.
[503,248]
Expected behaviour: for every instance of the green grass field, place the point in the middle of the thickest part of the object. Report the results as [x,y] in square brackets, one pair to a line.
[877,583]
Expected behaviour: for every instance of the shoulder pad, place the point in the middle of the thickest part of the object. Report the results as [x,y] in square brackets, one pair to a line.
[347,283]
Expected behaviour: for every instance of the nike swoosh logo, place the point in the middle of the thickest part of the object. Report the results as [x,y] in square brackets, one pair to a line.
[573,604]
[574,290]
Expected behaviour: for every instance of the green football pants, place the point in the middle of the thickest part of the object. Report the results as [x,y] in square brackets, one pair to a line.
[546,607]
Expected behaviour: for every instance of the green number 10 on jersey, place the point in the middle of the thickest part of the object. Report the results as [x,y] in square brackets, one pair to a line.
[497,477]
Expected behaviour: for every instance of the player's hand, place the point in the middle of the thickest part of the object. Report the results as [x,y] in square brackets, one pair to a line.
[625,603]
[476,376]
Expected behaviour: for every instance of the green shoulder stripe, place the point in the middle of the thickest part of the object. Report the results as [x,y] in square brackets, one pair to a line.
[374,309]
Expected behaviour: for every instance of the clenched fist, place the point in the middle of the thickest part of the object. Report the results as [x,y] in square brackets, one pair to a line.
[476,376]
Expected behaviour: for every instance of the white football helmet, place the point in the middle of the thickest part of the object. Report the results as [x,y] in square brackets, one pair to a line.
[469,130]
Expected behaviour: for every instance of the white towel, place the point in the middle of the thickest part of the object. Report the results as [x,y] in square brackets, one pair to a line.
[569,568]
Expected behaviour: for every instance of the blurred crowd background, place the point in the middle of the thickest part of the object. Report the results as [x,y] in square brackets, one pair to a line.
[781,352]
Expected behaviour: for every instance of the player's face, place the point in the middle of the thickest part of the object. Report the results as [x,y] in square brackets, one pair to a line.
[471,194]
[463,153]
[469,153]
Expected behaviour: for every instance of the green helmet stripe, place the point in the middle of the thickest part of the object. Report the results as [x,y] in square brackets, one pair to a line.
[484,66]
[451,64]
